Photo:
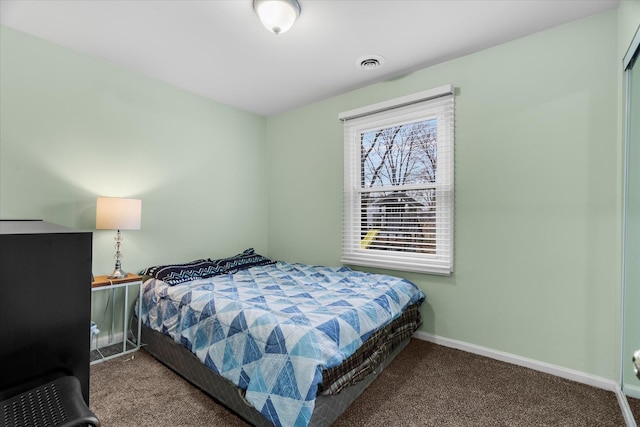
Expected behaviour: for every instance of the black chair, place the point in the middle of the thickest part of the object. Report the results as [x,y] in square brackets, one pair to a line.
[57,403]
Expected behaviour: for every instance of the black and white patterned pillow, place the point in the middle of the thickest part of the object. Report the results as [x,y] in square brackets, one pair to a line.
[173,274]
[247,259]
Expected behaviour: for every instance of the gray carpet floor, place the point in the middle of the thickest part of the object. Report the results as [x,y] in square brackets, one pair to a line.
[427,385]
[634,404]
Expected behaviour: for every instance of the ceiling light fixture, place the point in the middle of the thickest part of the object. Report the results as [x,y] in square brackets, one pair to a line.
[278,16]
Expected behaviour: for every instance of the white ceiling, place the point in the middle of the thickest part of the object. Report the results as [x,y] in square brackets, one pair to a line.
[219,49]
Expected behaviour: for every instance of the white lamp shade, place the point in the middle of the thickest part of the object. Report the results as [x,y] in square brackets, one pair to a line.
[278,16]
[114,213]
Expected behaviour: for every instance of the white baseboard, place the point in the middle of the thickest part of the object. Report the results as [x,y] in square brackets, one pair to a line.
[548,368]
[559,371]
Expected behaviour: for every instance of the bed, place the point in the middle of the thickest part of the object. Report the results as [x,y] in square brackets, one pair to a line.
[278,343]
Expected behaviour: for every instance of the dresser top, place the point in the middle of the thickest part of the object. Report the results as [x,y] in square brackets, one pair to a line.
[32,227]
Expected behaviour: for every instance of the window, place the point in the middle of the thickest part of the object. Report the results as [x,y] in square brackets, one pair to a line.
[398,183]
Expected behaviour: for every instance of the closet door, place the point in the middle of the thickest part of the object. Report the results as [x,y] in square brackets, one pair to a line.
[631,272]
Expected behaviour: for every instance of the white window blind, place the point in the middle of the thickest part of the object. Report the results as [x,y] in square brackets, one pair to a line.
[398,183]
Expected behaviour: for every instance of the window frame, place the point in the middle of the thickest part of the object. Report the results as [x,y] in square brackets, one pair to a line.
[435,103]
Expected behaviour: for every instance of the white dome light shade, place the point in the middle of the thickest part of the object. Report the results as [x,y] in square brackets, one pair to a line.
[278,16]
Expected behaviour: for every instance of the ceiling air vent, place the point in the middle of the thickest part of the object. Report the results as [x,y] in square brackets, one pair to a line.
[370,62]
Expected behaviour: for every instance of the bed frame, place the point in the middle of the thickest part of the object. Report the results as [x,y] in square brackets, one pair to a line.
[328,407]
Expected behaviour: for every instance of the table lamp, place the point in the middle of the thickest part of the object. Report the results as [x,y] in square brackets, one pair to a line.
[114,213]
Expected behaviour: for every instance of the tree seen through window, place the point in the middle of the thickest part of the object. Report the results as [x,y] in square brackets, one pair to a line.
[394,215]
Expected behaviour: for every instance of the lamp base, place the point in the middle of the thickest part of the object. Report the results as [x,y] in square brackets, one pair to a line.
[117,274]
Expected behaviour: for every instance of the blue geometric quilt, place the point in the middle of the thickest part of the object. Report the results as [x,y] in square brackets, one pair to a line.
[272,329]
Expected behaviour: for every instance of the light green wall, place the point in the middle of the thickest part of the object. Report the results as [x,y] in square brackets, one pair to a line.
[537,247]
[73,128]
[628,21]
